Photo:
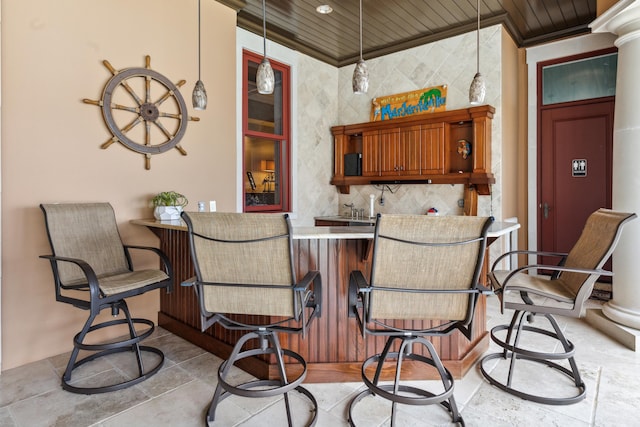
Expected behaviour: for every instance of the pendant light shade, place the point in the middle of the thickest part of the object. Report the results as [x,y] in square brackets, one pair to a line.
[360,81]
[265,79]
[199,96]
[477,90]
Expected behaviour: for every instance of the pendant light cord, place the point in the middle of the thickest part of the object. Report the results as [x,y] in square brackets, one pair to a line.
[361,30]
[477,40]
[264,28]
[199,37]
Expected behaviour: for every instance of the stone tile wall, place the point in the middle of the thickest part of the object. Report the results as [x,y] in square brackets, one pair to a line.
[325,99]
[317,112]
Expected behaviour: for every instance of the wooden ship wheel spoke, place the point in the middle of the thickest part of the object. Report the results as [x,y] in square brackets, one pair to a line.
[165,120]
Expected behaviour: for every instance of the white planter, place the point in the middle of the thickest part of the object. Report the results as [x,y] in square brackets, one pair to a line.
[167,213]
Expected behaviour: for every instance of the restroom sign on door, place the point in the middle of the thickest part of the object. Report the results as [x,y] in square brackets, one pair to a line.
[579,167]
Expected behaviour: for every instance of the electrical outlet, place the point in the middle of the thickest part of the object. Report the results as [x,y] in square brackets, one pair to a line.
[461,203]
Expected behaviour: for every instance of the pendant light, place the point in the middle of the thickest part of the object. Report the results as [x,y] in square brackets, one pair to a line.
[199,96]
[360,82]
[477,89]
[265,80]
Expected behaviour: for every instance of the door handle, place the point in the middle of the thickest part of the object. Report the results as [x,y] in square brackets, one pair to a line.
[545,210]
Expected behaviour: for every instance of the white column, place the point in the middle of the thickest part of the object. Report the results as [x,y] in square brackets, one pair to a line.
[623,20]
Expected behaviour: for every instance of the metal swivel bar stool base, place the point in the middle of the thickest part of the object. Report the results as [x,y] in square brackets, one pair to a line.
[392,391]
[266,388]
[514,353]
[99,350]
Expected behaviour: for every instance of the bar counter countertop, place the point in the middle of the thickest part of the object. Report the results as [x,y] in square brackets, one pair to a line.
[334,348]
[496,230]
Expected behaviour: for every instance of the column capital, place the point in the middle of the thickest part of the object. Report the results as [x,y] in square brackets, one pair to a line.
[621,19]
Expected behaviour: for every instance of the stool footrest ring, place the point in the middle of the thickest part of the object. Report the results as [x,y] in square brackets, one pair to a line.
[274,387]
[513,353]
[392,391]
[131,344]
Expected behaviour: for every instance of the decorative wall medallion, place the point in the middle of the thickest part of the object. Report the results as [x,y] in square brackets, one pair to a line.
[464,148]
[160,111]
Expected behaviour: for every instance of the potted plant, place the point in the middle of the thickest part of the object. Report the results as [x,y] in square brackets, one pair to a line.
[168,205]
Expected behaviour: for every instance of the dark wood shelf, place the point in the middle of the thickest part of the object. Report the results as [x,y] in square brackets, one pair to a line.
[479,180]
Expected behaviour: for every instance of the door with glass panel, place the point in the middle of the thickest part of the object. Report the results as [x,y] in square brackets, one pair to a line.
[576,144]
[266,148]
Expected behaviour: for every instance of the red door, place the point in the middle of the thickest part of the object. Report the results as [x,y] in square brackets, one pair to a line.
[574,169]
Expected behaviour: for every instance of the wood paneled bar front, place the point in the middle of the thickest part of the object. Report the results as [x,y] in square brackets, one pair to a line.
[334,349]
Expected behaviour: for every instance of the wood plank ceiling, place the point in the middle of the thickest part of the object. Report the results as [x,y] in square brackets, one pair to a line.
[393,25]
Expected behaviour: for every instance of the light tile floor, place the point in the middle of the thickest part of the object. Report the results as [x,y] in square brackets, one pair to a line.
[180,393]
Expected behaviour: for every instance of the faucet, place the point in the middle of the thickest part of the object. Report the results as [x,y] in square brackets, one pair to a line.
[353,209]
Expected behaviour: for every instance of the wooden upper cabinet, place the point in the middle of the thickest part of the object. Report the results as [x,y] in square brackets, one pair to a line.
[340,142]
[432,148]
[418,149]
[390,158]
[409,150]
[371,153]
[399,152]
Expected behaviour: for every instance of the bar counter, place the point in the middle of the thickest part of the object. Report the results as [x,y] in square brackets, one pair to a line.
[334,348]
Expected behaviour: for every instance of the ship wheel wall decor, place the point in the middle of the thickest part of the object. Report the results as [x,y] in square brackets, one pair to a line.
[150,123]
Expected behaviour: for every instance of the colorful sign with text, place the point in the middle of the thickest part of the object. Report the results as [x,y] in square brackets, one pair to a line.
[428,100]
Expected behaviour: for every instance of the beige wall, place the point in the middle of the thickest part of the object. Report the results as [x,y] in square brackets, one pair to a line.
[52,56]
[514,137]
[522,156]
[603,5]
[509,110]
